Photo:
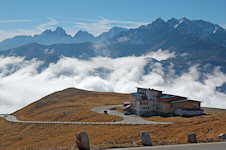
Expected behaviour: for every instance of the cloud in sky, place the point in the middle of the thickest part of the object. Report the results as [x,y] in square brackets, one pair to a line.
[22,84]
[51,24]
[14,21]
[98,26]
[161,55]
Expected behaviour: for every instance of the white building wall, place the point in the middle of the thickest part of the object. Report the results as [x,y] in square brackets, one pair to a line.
[152,96]
[151,100]
[145,105]
[188,113]
[137,106]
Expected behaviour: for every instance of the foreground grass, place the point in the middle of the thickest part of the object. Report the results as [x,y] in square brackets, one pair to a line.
[74,105]
[21,136]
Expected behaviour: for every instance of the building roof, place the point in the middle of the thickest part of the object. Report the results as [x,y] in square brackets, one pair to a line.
[167,96]
[183,100]
[148,89]
[139,94]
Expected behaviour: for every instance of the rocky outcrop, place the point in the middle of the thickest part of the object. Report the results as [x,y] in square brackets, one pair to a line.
[82,141]
[192,138]
[145,139]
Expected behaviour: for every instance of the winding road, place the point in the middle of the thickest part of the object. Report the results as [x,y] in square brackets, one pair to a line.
[127,119]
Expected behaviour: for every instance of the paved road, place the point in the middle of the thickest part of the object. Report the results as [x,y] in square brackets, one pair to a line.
[198,146]
[128,119]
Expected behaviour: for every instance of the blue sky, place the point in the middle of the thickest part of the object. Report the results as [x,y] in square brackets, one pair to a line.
[29,17]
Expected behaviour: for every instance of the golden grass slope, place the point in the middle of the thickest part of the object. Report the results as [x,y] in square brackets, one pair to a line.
[71,105]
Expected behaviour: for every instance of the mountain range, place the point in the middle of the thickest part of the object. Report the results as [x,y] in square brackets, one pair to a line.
[192,41]
[153,33]
[49,37]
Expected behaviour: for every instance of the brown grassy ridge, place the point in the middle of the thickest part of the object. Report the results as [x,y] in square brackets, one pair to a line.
[56,136]
[72,105]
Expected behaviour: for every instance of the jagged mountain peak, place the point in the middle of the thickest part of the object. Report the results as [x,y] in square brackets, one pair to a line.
[83,36]
[184,19]
[80,31]
[172,22]
[156,25]
[60,30]
[48,31]
[83,33]
[172,19]
[159,20]
[111,33]
[116,28]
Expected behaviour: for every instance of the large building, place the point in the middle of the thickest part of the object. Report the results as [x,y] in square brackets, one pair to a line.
[149,102]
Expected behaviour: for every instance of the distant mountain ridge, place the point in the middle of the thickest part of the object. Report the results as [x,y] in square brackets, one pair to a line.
[192,41]
[159,29]
[58,36]
[153,33]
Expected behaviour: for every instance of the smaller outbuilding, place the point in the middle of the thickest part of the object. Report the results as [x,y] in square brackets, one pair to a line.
[187,107]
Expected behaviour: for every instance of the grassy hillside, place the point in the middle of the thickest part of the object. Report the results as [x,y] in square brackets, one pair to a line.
[71,105]
[74,105]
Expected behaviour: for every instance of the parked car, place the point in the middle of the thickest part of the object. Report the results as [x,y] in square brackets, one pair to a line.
[105,112]
[127,112]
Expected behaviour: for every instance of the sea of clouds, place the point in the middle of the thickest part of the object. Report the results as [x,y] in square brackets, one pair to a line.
[21,82]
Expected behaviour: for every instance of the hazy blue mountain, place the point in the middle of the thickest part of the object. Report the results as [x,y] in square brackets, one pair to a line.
[48,37]
[15,42]
[51,53]
[58,36]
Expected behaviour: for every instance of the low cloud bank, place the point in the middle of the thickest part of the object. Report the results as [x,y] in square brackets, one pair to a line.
[21,83]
